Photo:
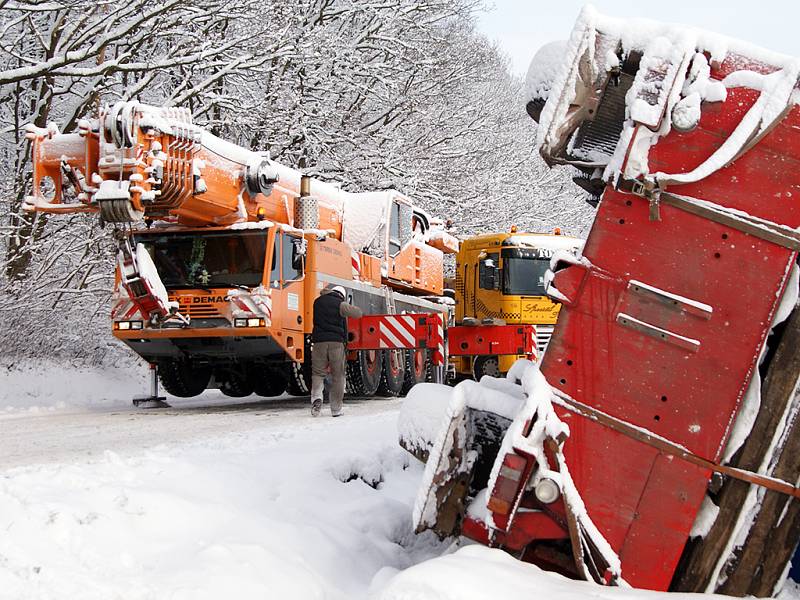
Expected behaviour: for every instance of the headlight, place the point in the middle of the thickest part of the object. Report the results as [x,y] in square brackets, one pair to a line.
[126,325]
[136,324]
[123,325]
[546,491]
[249,322]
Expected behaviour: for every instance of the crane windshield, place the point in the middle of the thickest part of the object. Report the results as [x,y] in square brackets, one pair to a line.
[208,260]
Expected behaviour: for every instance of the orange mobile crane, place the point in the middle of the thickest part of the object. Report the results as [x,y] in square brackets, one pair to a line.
[216,288]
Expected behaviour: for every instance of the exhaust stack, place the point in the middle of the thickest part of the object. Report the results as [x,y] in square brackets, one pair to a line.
[306,206]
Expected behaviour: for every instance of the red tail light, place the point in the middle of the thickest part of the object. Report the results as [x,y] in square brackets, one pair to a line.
[509,481]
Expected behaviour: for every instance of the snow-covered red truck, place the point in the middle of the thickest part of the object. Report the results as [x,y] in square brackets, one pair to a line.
[645,448]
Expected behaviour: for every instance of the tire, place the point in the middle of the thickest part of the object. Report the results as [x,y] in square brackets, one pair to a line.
[299,376]
[235,385]
[183,380]
[418,369]
[393,373]
[486,365]
[269,381]
[298,384]
[364,373]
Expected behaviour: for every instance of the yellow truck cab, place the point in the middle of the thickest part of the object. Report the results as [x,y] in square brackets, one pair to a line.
[500,278]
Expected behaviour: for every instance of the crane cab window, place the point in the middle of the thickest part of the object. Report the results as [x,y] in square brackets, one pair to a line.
[394,229]
[288,259]
[274,269]
[221,259]
[292,257]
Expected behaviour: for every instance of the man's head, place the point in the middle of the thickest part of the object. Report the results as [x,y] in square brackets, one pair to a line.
[337,289]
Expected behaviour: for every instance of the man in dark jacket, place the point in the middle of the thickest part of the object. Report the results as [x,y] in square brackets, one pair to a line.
[329,336]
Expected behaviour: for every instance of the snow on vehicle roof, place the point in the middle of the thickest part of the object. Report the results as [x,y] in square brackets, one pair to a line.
[366,217]
[252,225]
[550,61]
[634,34]
[545,241]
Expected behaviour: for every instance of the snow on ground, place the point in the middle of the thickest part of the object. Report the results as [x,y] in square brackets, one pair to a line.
[50,386]
[476,573]
[221,499]
[300,509]
[53,387]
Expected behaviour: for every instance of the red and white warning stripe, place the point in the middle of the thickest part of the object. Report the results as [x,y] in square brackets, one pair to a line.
[123,309]
[355,262]
[252,304]
[439,352]
[398,331]
[265,304]
[123,306]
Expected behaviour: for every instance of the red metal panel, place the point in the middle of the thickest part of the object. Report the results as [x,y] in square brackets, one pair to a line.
[530,525]
[375,332]
[463,340]
[670,369]
[403,331]
[652,553]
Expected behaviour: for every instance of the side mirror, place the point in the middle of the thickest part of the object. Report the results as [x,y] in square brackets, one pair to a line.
[489,275]
[298,254]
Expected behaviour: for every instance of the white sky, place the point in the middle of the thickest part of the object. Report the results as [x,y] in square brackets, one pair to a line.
[521,26]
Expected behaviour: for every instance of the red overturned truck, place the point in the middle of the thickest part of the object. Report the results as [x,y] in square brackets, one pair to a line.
[656,444]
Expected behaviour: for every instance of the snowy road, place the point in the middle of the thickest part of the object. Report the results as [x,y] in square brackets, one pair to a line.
[251,500]
[63,436]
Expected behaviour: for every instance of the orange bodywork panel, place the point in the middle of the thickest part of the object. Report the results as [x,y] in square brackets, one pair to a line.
[83,152]
[445,242]
[329,256]
[369,269]
[420,266]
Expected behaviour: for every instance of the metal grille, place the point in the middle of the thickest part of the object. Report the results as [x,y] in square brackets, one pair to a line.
[600,135]
[306,212]
[543,335]
[198,310]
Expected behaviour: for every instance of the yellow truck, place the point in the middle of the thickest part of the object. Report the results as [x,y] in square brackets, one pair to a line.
[500,280]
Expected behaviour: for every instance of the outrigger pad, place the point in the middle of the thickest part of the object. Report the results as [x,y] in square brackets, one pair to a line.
[151,402]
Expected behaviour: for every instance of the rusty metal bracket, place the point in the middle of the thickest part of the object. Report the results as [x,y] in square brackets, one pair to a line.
[658,333]
[757,227]
[649,190]
[670,300]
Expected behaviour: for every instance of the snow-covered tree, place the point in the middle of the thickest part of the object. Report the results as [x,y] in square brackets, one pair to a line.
[386,93]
